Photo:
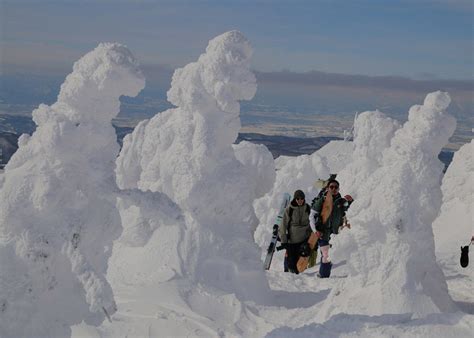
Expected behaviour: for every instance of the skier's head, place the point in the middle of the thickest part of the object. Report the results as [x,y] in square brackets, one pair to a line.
[298,196]
[333,186]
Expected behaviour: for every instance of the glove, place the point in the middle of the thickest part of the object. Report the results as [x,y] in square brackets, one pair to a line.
[320,227]
[305,250]
[316,217]
[348,198]
[464,256]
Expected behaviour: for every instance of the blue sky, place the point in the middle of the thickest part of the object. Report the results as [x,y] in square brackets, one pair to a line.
[421,39]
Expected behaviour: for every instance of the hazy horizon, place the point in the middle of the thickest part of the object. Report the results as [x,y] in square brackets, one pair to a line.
[423,39]
[286,103]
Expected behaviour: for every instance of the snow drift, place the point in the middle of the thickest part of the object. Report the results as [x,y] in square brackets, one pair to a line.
[58,217]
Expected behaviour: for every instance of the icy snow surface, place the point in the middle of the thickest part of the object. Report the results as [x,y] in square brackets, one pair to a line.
[175,237]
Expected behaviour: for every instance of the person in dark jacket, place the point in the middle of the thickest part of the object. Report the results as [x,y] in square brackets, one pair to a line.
[295,229]
[333,223]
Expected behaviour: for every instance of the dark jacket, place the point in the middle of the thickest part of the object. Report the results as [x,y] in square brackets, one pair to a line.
[339,208]
[299,225]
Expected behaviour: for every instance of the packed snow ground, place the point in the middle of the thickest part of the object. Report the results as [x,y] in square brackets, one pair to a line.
[172,244]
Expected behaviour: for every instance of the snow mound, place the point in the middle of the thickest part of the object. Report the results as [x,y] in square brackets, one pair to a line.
[394,209]
[58,217]
[337,155]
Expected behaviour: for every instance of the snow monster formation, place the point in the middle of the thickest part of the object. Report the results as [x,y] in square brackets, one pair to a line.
[394,264]
[187,154]
[458,205]
[58,214]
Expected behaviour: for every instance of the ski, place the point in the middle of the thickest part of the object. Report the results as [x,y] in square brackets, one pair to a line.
[271,247]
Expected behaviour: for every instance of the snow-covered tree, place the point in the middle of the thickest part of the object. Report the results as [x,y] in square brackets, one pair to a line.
[394,264]
[187,154]
[455,226]
[58,215]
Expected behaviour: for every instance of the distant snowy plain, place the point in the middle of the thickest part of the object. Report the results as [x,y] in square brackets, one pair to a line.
[167,237]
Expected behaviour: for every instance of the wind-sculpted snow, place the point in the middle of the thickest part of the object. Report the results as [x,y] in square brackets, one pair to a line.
[373,132]
[58,215]
[187,154]
[175,148]
[143,255]
[259,164]
[394,264]
[144,212]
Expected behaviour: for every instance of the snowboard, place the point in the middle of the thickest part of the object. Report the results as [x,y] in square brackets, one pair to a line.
[271,247]
[303,261]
